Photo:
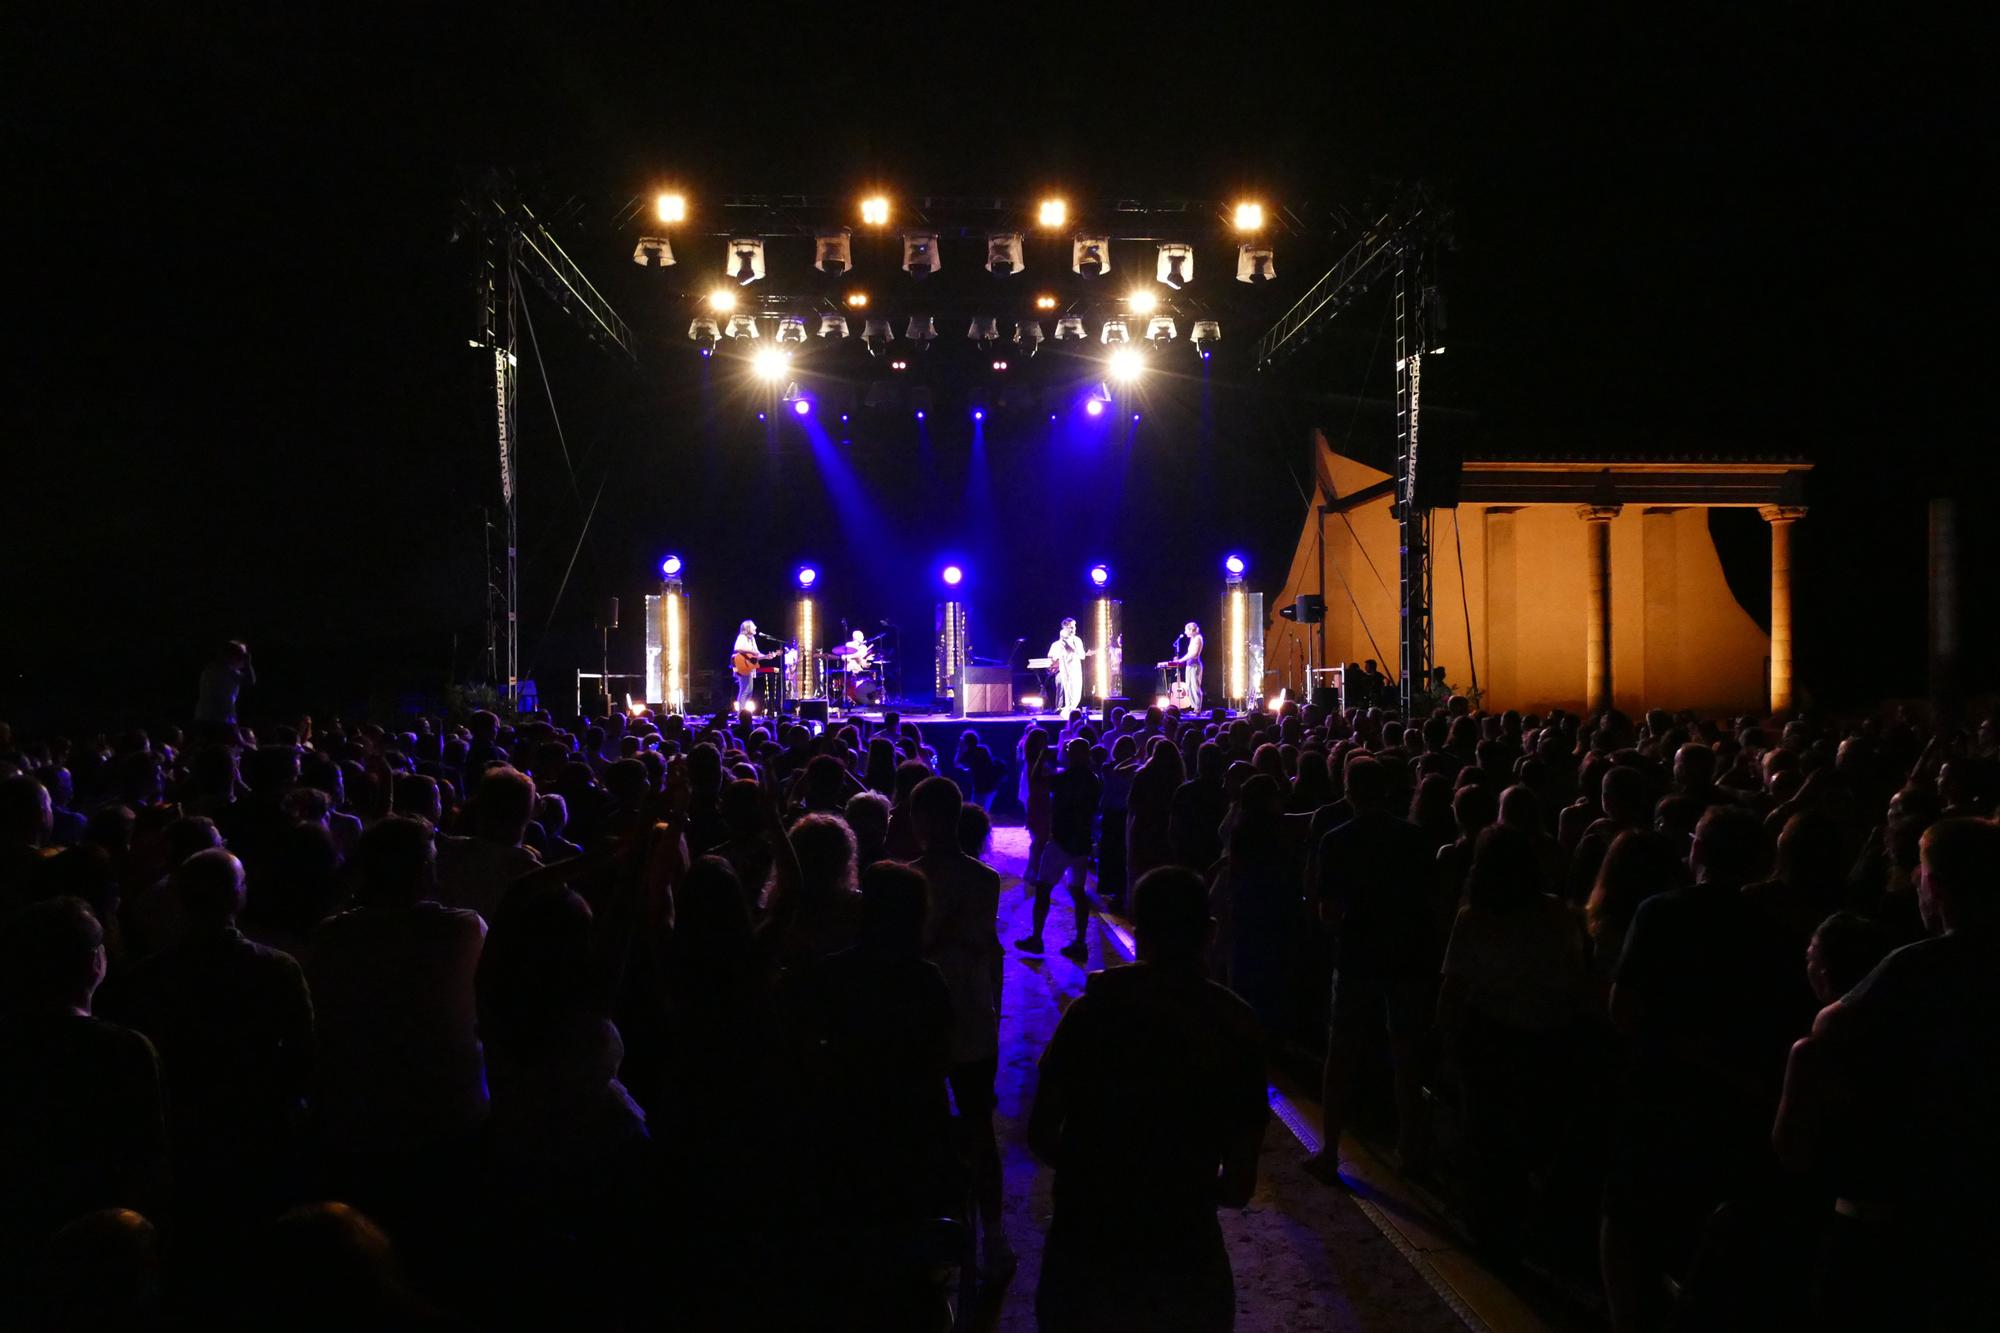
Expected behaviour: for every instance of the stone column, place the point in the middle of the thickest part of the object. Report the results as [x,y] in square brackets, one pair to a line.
[1781,518]
[1597,629]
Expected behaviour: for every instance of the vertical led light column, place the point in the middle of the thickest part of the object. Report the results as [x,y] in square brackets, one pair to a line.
[950,633]
[1242,636]
[1107,623]
[667,639]
[805,635]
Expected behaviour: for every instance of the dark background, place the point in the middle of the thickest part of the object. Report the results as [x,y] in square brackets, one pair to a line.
[243,403]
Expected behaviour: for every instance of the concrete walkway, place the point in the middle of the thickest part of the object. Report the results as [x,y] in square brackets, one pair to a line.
[1306,1257]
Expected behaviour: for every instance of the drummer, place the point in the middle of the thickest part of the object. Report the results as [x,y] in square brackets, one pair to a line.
[857,654]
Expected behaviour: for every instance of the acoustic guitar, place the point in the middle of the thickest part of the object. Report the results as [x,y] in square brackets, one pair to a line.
[745,664]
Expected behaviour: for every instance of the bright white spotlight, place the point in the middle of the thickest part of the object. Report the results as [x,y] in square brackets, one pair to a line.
[1090,256]
[653,250]
[1160,331]
[771,364]
[1142,302]
[670,207]
[1046,302]
[1249,217]
[792,329]
[920,253]
[875,211]
[1053,213]
[1126,365]
[833,251]
[1070,327]
[1255,263]
[743,326]
[722,300]
[857,300]
[746,260]
[1115,332]
[1003,252]
[1176,266]
[833,326]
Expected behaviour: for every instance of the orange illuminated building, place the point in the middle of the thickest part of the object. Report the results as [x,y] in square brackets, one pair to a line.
[1590,579]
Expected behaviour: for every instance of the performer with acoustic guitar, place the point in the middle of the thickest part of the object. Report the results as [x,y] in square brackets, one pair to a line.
[1066,656]
[1188,662]
[744,659]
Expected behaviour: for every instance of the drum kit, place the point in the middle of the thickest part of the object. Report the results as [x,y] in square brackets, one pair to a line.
[859,669]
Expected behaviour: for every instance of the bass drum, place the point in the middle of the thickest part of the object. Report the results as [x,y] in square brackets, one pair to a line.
[865,692]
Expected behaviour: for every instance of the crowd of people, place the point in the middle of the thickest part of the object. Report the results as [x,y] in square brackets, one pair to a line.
[682,1020]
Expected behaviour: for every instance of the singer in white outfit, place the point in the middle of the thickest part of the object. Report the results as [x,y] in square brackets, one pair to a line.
[1067,654]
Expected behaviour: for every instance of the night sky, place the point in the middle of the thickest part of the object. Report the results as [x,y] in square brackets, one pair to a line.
[243,404]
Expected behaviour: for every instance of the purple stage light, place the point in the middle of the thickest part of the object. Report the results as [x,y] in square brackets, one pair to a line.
[802,406]
[920,414]
[707,352]
[1095,407]
[760,416]
[1135,416]
[1100,575]
[979,414]
[808,576]
[953,576]
[843,418]
[670,567]
[1233,564]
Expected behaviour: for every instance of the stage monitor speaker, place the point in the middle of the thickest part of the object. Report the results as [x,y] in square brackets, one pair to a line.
[811,710]
[1308,608]
[610,620]
[1326,697]
[1116,701]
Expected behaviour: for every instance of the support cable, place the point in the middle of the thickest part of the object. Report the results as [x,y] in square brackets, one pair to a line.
[1465,605]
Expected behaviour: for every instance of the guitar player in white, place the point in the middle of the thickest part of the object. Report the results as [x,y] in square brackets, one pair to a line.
[1189,664]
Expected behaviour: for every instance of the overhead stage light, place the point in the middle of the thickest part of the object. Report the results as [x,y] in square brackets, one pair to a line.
[833,251]
[899,364]
[1090,256]
[1114,332]
[920,253]
[746,260]
[1207,333]
[743,326]
[802,407]
[875,211]
[922,331]
[792,329]
[771,364]
[807,576]
[876,334]
[1100,575]
[833,326]
[670,568]
[653,250]
[952,576]
[703,330]
[1176,266]
[1095,407]
[1126,365]
[1255,263]
[1053,213]
[722,300]
[1045,302]
[1070,327]
[1249,217]
[1003,252]
[1160,331]
[985,329]
[1233,565]
[1028,334]
[1000,366]
[857,300]
[1142,302]
[669,207]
